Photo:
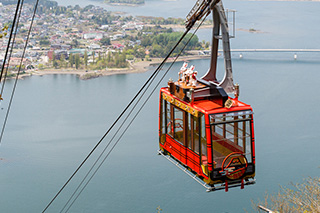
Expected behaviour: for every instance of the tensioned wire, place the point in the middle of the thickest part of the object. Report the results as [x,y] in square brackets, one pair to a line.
[10,37]
[124,131]
[116,121]
[14,28]
[19,70]
[120,116]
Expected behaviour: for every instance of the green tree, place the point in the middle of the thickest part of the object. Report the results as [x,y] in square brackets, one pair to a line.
[85,59]
[109,57]
[71,60]
[40,66]
[140,53]
[101,64]
[75,43]
[62,60]
[54,61]
[117,59]
[122,60]
[44,42]
[77,60]
[146,41]
[93,56]
[105,41]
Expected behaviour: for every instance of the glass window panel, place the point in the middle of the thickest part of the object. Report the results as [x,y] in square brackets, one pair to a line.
[231,132]
[196,136]
[163,127]
[169,120]
[248,142]
[178,125]
[219,129]
[204,156]
[240,134]
[189,139]
[163,116]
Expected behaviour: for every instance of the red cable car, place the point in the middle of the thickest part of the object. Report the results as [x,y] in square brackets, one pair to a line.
[209,134]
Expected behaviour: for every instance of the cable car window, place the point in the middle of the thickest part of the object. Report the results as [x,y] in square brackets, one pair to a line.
[196,134]
[163,119]
[247,140]
[231,132]
[163,116]
[241,136]
[169,122]
[204,156]
[189,128]
[178,124]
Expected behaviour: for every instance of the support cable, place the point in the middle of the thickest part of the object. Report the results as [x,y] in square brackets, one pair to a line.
[137,113]
[19,70]
[123,122]
[15,28]
[116,121]
[10,37]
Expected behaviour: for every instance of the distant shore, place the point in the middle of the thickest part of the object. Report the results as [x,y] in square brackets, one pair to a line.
[136,67]
[178,26]
[125,4]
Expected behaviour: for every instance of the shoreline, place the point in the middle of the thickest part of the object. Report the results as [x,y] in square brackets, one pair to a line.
[178,26]
[136,67]
[125,4]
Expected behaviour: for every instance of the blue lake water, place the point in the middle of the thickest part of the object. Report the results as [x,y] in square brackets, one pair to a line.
[56,120]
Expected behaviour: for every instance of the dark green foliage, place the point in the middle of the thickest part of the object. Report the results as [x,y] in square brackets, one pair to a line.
[44,42]
[85,57]
[77,60]
[105,41]
[71,60]
[161,44]
[104,19]
[75,43]
[161,20]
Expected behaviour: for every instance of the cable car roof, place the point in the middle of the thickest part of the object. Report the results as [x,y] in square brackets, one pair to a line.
[207,106]
[210,107]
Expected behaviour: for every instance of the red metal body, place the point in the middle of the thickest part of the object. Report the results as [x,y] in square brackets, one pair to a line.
[219,156]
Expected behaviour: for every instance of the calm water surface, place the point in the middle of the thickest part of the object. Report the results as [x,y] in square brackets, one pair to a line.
[55,121]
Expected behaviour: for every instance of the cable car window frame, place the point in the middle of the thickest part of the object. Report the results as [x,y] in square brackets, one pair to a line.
[177,124]
[163,120]
[196,138]
[227,119]
[169,119]
[238,113]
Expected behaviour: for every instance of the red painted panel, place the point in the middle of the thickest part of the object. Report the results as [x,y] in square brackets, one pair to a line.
[177,150]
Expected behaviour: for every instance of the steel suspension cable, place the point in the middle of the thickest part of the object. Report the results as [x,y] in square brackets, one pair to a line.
[137,113]
[123,122]
[10,37]
[15,27]
[116,121]
[9,42]
[19,70]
